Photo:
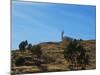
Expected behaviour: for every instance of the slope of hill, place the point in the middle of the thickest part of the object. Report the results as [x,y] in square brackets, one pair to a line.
[52,58]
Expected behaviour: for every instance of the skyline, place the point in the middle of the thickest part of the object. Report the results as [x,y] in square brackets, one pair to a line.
[42,22]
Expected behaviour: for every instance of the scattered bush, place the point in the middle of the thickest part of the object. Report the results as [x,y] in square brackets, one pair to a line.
[37,51]
[20,61]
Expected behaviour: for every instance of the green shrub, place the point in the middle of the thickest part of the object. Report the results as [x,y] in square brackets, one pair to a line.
[22,45]
[29,47]
[76,54]
[20,61]
[37,51]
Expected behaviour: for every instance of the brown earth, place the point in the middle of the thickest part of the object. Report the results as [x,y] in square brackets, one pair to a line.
[52,57]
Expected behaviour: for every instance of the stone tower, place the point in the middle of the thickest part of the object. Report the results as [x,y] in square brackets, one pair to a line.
[62,35]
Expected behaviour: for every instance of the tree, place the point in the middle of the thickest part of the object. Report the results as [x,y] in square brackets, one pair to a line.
[75,54]
[29,47]
[70,49]
[22,45]
[26,42]
[70,53]
[80,39]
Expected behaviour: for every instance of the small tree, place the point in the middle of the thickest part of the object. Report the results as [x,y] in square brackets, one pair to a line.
[29,47]
[22,45]
[70,53]
[75,54]
[26,42]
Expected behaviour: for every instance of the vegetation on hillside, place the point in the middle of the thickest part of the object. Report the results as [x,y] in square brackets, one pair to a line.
[53,56]
[76,55]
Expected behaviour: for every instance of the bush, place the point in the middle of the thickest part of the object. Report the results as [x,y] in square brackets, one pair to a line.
[37,51]
[76,54]
[70,50]
[47,58]
[19,61]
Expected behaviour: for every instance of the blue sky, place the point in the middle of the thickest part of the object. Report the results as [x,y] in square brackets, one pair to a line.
[42,22]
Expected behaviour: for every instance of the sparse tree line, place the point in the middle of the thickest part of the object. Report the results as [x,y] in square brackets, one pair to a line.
[74,53]
[24,45]
[35,50]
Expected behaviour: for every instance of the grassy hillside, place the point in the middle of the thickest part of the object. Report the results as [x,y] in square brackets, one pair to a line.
[52,58]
